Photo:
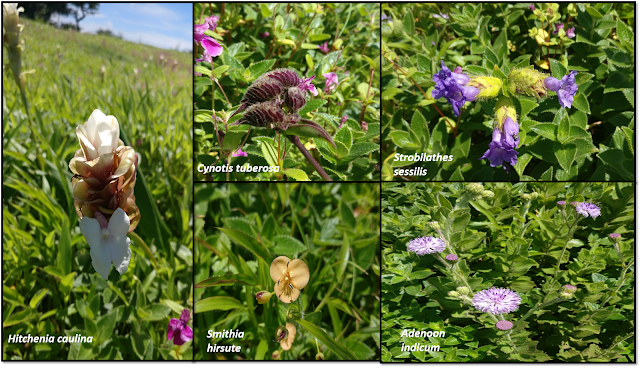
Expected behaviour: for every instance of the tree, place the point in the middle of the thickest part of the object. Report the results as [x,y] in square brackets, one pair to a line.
[81,10]
[44,11]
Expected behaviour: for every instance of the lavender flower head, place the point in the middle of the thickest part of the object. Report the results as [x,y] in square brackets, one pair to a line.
[565,88]
[571,33]
[426,245]
[496,301]
[559,26]
[452,86]
[504,325]
[451,257]
[588,209]
[614,235]
[562,202]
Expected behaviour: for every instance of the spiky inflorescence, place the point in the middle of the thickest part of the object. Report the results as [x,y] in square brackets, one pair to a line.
[295,98]
[496,301]
[264,114]
[286,76]
[271,85]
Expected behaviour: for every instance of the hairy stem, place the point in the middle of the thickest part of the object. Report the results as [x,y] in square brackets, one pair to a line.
[312,160]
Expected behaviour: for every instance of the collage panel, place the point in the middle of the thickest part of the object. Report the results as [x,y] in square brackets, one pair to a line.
[287,271]
[96,220]
[508,92]
[508,272]
[287,91]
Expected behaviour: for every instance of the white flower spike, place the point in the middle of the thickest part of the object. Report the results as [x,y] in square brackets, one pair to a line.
[108,241]
[99,135]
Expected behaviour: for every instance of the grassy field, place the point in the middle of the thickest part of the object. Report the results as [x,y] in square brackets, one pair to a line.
[49,284]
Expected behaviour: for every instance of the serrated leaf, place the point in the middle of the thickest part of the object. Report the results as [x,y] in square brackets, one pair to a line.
[297,174]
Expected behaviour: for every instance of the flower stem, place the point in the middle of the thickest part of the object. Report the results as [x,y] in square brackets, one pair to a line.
[312,160]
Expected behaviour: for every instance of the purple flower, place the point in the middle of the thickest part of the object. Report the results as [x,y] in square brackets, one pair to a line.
[504,325]
[588,209]
[206,57]
[324,47]
[499,151]
[342,121]
[570,287]
[445,16]
[565,88]
[426,245]
[306,84]
[179,329]
[211,47]
[571,33]
[496,301]
[574,203]
[332,81]
[212,22]
[559,26]
[511,130]
[238,153]
[264,35]
[451,86]
[532,7]
[614,235]
[451,257]
[562,202]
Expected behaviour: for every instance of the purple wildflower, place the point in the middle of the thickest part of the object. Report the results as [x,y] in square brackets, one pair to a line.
[211,47]
[496,301]
[562,202]
[614,235]
[212,22]
[433,43]
[504,325]
[570,287]
[565,88]
[574,203]
[588,209]
[451,257]
[342,121]
[238,153]
[179,329]
[264,35]
[559,26]
[332,81]
[306,84]
[571,33]
[426,245]
[532,7]
[499,151]
[451,86]
[324,47]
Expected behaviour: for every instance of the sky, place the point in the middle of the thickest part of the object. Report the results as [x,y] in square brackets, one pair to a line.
[163,25]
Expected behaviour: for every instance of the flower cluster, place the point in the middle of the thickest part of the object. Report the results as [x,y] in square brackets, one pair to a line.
[505,138]
[211,47]
[453,87]
[565,88]
[269,95]
[426,245]
[496,301]
[104,178]
[588,209]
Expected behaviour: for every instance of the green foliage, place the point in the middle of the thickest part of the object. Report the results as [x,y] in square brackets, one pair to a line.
[592,140]
[49,284]
[520,240]
[296,32]
[334,229]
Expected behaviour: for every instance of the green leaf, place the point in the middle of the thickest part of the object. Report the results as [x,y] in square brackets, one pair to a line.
[64,248]
[580,102]
[261,350]
[217,303]
[249,243]
[270,153]
[286,245]
[345,137]
[319,37]
[409,23]
[563,129]
[259,68]
[557,69]
[297,174]
[105,327]
[403,140]
[340,350]
[35,300]
[358,150]
[218,71]
[312,105]
[228,280]
[546,130]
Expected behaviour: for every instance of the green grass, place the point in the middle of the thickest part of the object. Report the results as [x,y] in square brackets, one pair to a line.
[241,228]
[49,284]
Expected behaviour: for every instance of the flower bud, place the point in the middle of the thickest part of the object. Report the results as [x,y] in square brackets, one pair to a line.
[276,355]
[615,238]
[569,288]
[526,196]
[453,294]
[534,195]
[566,295]
[451,257]
[562,203]
[504,325]
[281,333]
[527,81]
[435,225]
[488,194]
[294,99]
[488,86]
[263,297]
[463,290]
[474,188]
[319,356]
[504,109]
[264,114]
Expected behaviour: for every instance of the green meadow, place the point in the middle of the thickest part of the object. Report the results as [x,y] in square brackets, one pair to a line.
[49,284]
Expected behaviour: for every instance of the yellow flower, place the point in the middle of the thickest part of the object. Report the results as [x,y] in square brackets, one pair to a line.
[286,336]
[290,277]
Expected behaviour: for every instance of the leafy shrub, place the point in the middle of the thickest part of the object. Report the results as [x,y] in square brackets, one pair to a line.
[49,284]
[334,229]
[315,40]
[513,236]
[592,140]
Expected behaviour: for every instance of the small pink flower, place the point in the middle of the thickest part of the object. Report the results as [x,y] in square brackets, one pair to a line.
[238,153]
[342,121]
[452,257]
[571,33]
[504,325]
[332,81]
[264,35]
[324,47]
[179,329]
[306,84]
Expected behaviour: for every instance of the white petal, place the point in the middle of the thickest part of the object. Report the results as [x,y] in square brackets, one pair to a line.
[118,246]
[119,223]
[89,150]
[100,256]
[118,243]
[92,125]
[108,132]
